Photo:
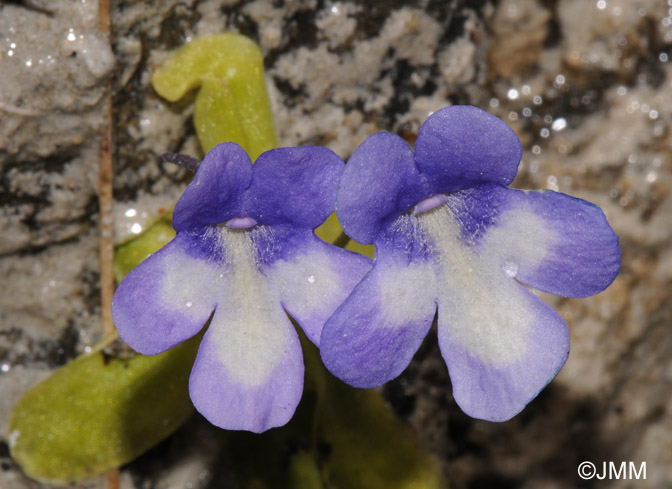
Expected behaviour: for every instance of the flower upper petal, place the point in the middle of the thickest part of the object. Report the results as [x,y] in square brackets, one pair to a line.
[215,195]
[169,296]
[462,146]
[379,183]
[311,277]
[550,241]
[294,186]
[373,335]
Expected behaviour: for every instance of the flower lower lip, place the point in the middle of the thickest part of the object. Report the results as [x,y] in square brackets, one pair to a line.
[241,223]
[429,203]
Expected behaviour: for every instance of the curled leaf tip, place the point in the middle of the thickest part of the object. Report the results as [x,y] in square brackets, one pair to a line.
[232,103]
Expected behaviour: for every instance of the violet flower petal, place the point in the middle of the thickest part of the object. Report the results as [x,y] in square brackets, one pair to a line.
[373,335]
[236,223]
[294,186]
[216,193]
[248,373]
[462,146]
[380,182]
[547,240]
[311,277]
[460,240]
[249,370]
[500,359]
[501,343]
[167,298]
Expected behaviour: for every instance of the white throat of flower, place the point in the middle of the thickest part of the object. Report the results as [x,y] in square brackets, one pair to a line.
[247,327]
[481,308]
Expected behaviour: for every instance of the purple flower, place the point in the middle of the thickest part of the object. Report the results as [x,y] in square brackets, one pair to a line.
[245,249]
[450,236]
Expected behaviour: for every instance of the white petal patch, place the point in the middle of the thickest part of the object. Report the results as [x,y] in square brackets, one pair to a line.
[250,328]
[184,292]
[480,307]
[521,239]
[310,280]
[405,291]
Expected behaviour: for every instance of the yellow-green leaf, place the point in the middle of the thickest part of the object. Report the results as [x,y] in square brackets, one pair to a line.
[129,255]
[370,448]
[368,445]
[362,249]
[332,232]
[99,412]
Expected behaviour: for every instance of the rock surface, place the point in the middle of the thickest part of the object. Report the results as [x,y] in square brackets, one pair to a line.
[586,85]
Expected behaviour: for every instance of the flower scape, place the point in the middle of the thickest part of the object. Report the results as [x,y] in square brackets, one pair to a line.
[451,240]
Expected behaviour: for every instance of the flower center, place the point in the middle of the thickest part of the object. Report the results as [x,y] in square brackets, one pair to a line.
[495,326]
[245,326]
[241,223]
[429,203]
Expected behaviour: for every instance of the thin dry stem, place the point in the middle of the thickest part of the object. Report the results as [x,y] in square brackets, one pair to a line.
[106,200]
[106,245]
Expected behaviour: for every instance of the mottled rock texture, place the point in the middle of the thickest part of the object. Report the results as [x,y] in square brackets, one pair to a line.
[586,85]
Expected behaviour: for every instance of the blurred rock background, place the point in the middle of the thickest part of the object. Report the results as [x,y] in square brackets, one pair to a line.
[587,85]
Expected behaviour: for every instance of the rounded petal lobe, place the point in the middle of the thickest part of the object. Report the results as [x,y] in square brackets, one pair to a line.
[294,186]
[379,183]
[248,373]
[501,343]
[312,278]
[547,240]
[500,357]
[583,257]
[373,335]
[215,195]
[462,146]
[167,298]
